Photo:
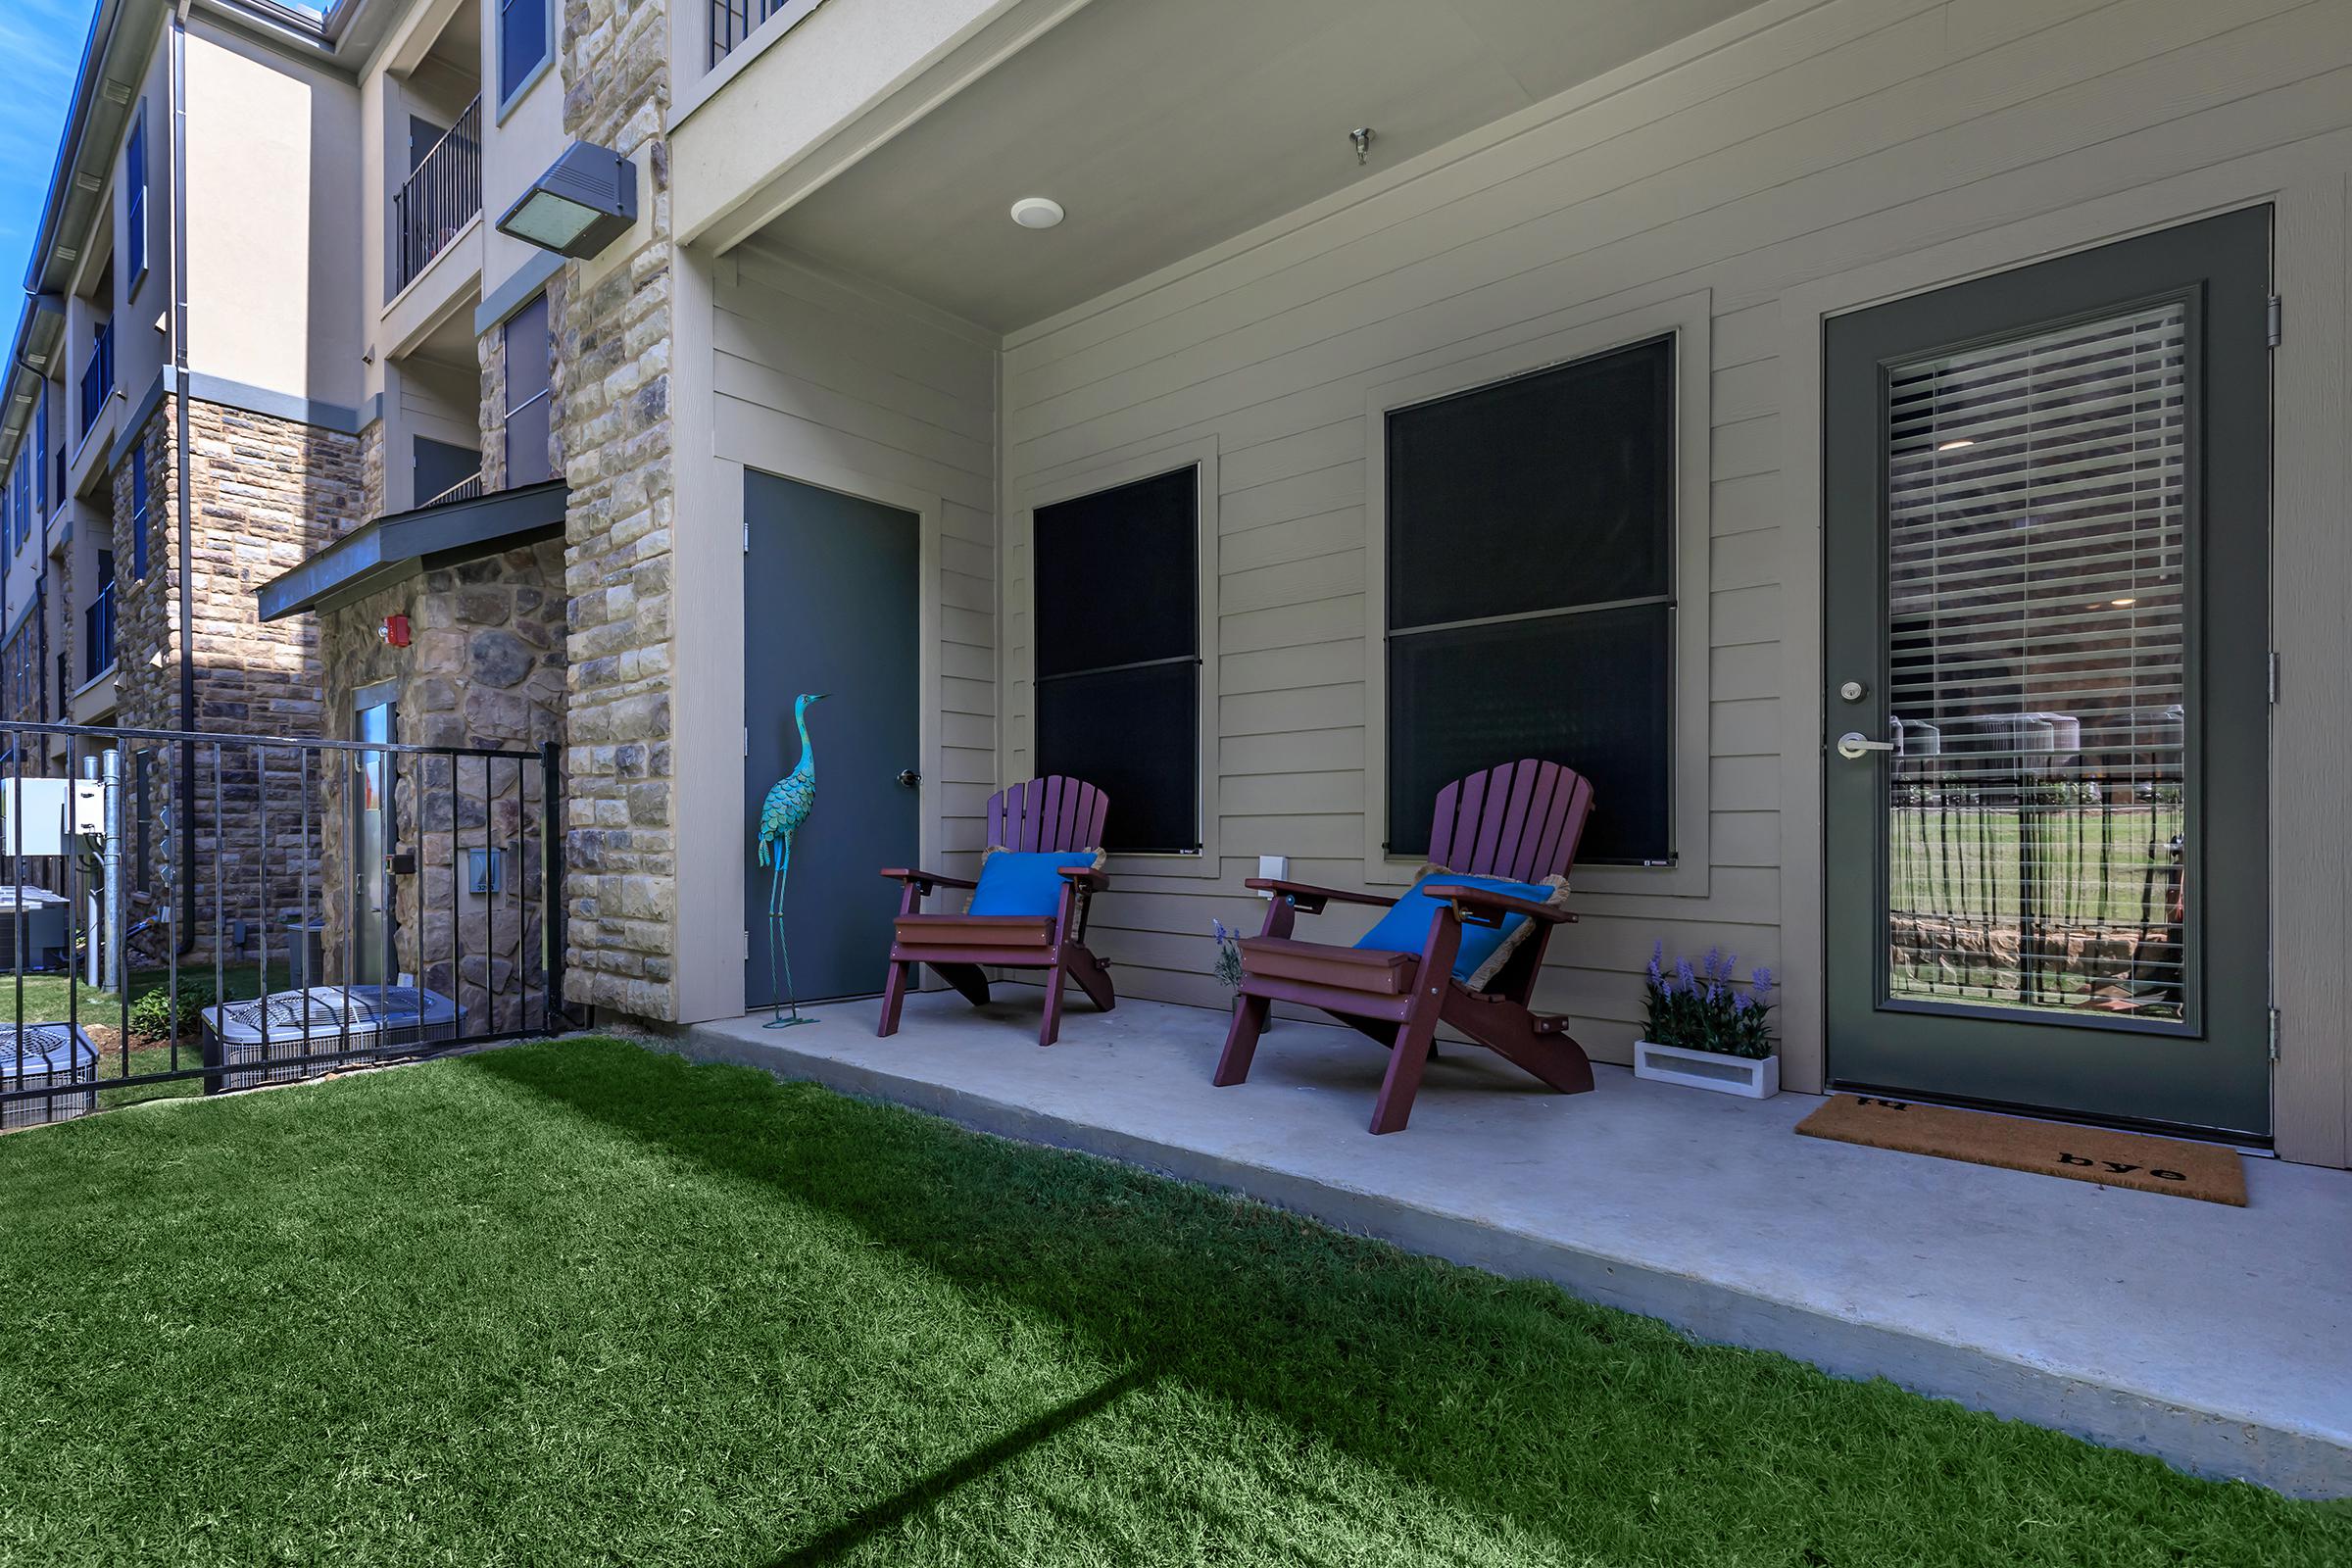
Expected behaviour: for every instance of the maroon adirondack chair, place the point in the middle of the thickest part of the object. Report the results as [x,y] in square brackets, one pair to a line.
[1046,814]
[1519,822]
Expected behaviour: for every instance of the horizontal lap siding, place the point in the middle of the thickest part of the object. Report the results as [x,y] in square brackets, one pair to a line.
[1847,133]
[816,379]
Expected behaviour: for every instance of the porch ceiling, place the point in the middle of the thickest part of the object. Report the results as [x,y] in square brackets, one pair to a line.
[1164,129]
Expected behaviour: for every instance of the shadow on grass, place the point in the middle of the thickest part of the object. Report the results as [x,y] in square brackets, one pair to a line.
[1569,1420]
[853,1532]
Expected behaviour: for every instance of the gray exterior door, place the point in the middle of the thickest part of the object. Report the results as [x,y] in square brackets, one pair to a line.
[830,600]
[2046,652]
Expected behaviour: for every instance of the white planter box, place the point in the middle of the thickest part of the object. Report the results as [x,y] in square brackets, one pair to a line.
[1753,1077]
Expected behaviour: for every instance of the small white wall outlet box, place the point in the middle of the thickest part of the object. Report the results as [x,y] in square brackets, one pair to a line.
[1751,1077]
[1275,868]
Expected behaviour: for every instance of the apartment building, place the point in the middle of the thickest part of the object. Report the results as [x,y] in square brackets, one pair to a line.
[1180,395]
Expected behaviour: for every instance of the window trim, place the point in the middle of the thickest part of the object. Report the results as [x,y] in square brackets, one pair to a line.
[1021,672]
[497,54]
[1689,320]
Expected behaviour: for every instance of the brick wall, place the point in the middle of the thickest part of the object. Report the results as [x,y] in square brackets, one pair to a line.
[266,494]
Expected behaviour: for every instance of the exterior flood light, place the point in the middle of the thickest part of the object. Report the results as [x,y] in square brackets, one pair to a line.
[585,201]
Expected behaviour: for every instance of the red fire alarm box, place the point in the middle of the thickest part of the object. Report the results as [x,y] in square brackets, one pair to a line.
[396,630]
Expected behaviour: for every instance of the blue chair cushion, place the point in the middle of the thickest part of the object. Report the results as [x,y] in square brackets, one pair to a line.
[1406,927]
[1024,882]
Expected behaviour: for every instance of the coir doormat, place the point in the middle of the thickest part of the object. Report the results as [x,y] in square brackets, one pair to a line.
[2086,1154]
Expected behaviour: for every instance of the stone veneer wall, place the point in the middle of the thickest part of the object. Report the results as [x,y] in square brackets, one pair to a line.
[612,416]
[266,494]
[484,669]
[490,347]
[372,472]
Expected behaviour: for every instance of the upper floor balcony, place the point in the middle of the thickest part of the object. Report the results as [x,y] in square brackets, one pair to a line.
[733,20]
[98,632]
[440,197]
[97,377]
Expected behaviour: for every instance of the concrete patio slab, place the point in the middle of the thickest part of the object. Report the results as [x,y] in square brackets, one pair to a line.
[2217,1339]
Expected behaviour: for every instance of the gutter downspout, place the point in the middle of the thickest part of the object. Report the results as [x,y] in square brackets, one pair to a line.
[185,935]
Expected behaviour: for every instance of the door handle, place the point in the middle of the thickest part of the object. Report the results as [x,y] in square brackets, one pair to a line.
[909,777]
[1853,746]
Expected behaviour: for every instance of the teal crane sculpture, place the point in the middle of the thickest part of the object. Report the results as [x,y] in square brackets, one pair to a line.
[789,801]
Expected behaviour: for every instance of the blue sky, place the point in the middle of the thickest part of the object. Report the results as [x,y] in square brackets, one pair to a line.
[40,44]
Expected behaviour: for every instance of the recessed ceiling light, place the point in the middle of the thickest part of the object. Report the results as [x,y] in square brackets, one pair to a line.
[1037,211]
[2122,603]
[1954,446]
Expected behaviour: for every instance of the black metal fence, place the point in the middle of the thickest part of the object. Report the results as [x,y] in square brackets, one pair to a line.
[441,196]
[191,913]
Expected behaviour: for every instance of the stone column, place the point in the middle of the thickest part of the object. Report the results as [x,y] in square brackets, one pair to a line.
[612,426]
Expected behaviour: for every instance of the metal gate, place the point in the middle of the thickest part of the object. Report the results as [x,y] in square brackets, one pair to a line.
[183,911]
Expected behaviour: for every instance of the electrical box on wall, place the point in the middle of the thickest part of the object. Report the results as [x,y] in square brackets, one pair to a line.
[32,813]
[394,631]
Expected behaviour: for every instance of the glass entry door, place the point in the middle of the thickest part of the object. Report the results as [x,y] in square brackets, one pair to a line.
[2047,664]
[371,838]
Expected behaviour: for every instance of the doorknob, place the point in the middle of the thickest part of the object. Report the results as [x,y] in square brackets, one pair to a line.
[909,777]
[1852,745]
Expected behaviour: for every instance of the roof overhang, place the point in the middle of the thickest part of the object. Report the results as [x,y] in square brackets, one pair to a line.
[393,549]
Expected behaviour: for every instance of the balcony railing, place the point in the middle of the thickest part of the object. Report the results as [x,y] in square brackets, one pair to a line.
[98,377]
[464,489]
[98,635]
[442,196]
[732,22]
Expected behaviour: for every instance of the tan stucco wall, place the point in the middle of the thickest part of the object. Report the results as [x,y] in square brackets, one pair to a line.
[274,283]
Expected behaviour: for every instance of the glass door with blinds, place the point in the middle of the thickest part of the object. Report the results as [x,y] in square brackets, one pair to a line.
[2046,650]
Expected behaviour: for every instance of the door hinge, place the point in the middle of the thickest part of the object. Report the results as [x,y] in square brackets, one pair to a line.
[747,740]
[2275,318]
[2274,1034]
[2274,678]
[747,522]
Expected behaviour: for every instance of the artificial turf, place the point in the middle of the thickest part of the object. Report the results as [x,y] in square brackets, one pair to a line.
[580,1302]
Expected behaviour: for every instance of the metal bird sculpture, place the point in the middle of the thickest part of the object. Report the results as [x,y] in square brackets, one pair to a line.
[789,802]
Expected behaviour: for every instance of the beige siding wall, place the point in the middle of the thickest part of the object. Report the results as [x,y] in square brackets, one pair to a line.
[841,388]
[1794,145]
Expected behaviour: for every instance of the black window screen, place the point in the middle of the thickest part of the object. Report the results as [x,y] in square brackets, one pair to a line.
[1530,593]
[1116,612]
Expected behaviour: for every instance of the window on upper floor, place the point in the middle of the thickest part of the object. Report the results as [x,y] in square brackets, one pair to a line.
[1117,627]
[1530,542]
[522,42]
[530,354]
[134,201]
[37,451]
[139,510]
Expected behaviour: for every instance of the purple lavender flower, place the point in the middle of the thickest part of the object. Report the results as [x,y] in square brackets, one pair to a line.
[1682,972]
[1714,962]
[1219,927]
[1657,957]
[1763,984]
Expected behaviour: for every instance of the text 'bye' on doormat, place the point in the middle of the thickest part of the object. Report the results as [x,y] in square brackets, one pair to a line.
[2086,1154]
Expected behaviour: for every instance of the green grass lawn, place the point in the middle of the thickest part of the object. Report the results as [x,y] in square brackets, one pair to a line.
[576,1302]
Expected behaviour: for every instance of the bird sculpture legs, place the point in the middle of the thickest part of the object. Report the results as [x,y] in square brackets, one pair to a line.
[779,952]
